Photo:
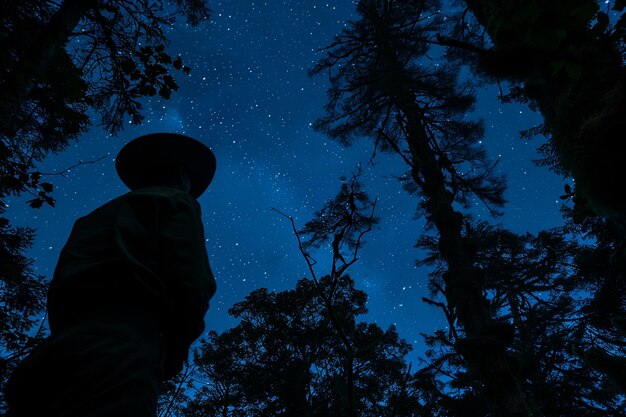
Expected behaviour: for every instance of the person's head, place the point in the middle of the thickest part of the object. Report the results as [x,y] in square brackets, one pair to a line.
[167,175]
[166,159]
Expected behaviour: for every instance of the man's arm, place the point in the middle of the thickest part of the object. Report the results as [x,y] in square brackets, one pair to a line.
[189,282]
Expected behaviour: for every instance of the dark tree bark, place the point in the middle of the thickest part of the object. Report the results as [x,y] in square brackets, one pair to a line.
[464,290]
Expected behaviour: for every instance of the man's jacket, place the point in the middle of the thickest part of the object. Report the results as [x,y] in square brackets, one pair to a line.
[142,252]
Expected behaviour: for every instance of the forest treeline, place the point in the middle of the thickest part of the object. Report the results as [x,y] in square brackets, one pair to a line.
[536,322]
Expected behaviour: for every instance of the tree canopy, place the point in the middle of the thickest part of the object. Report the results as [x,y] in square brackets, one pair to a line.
[284,358]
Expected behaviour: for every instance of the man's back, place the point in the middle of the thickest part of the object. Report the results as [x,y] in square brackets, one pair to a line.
[143,251]
[129,293]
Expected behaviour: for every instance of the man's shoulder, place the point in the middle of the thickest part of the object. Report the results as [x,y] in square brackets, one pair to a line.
[160,196]
[149,196]
[159,193]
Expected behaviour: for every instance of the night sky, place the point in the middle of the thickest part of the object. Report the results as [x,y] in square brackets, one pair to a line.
[248,97]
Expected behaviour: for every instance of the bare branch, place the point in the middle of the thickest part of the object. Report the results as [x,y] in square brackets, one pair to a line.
[309,260]
[79,163]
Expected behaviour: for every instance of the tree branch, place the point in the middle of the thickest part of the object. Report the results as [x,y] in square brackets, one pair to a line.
[74,166]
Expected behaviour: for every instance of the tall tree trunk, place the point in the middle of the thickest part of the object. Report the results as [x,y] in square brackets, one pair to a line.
[583,103]
[20,83]
[485,355]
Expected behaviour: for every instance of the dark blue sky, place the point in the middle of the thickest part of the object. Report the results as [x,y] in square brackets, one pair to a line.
[248,97]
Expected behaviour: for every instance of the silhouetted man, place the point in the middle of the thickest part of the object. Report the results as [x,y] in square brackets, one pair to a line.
[129,292]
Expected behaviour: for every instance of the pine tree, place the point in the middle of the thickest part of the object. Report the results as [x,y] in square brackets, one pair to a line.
[383,87]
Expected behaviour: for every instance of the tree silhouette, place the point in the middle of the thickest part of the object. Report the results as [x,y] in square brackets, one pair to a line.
[536,283]
[383,87]
[302,352]
[343,222]
[284,358]
[22,294]
[63,60]
[601,270]
[174,395]
[566,60]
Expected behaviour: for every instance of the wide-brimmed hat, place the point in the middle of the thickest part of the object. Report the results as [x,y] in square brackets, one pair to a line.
[141,156]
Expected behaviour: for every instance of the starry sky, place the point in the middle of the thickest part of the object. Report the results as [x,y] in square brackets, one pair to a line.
[248,97]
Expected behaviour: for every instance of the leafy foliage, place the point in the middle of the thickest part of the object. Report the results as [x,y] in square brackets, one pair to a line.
[283,359]
[566,60]
[22,294]
[62,61]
